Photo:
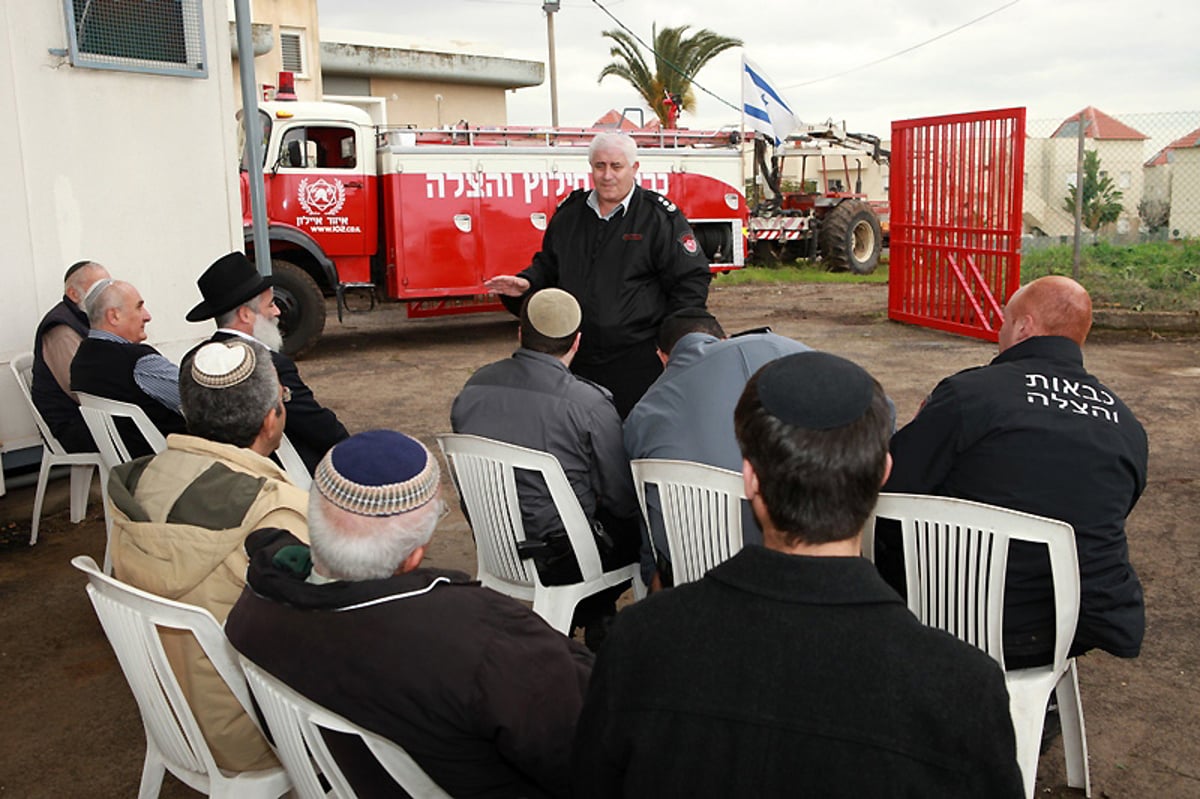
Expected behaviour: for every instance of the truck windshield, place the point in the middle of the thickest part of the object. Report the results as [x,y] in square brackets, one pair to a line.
[264,120]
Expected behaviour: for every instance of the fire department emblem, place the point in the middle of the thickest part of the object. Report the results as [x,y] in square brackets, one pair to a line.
[689,243]
[320,197]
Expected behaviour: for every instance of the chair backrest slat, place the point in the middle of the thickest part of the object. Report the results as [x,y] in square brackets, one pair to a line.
[956,560]
[700,509]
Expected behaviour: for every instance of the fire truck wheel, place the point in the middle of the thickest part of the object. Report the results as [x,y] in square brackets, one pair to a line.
[851,238]
[301,307]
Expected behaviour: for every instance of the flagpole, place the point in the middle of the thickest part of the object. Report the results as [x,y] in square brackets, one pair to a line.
[742,122]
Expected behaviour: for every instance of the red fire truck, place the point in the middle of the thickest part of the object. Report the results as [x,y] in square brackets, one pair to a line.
[425,217]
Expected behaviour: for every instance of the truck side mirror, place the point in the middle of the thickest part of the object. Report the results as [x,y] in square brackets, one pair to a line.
[295,153]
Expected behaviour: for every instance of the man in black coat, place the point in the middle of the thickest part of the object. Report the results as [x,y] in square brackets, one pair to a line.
[58,336]
[1035,432]
[243,303]
[629,257]
[792,669]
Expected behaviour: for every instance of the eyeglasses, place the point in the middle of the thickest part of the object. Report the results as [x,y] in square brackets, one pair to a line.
[443,510]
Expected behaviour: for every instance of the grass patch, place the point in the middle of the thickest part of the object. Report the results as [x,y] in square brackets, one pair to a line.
[799,272]
[1156,276]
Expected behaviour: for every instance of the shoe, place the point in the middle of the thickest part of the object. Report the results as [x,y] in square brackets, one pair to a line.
[595,633]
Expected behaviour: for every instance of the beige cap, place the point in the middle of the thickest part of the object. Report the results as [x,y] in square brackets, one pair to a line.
[554,313]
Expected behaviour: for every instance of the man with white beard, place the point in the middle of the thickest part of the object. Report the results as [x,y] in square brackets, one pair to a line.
[243,304]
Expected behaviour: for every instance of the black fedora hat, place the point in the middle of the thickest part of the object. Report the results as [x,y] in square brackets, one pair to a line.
[227,284]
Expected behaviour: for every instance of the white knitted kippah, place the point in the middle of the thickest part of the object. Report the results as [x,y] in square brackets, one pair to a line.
[222,364]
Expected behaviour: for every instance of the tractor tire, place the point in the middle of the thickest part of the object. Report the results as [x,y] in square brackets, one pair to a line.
[851,238]
[301,307]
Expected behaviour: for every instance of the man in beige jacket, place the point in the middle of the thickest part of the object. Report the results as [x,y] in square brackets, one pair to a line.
[180,518]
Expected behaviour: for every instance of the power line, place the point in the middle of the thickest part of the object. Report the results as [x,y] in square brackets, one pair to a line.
[658,56]
[905,50]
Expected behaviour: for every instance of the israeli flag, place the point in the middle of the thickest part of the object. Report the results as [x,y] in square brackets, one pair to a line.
[765,110]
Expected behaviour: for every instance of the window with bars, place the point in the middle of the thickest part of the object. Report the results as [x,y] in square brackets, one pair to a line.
[164,37]
[291,51]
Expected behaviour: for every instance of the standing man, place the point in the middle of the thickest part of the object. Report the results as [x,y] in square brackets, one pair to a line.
[792,669]
[113,362]
[630,258]
[243,303]
[533,400]
[688,413]
[479,690]
[1033,431]
[55,343]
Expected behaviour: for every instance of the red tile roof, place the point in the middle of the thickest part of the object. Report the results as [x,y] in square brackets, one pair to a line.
[1188,140]
[1100,126]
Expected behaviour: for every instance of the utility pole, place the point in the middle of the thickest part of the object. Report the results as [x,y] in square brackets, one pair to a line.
[551,6]
[1075,256]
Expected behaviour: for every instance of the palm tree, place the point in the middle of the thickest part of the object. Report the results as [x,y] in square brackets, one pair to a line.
[677,59]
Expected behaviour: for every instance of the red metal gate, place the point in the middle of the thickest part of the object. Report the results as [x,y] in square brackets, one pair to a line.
[956,189]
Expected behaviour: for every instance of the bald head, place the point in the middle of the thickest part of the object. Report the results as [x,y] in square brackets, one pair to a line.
[117,307]
[1049,306]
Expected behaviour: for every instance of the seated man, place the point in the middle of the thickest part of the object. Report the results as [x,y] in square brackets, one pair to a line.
[243,304]
[478,689]
[687,414]
[1033,431]
[54,346]
[533,400]
[112,362]
[792,668]
[180,519]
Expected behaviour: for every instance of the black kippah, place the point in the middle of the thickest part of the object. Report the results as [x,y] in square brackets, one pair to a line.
[815,390]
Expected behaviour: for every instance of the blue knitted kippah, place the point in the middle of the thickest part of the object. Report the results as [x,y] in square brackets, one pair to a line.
[378,473]
[815,390]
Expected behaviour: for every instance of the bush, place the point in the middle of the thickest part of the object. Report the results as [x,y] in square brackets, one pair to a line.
[1156,276]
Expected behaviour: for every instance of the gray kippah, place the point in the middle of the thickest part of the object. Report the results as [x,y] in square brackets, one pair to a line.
[554,313]
[815,390]
[221,364]
[378,473]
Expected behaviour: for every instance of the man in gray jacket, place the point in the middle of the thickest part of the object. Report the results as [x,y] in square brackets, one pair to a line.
[533,400]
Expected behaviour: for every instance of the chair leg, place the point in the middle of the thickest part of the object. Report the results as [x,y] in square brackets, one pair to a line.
[1028,711]
[1074,734]
[152,775]
[81,486]
[43,478]
[108,533]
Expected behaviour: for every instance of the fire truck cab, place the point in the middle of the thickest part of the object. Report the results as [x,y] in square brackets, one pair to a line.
[426,216]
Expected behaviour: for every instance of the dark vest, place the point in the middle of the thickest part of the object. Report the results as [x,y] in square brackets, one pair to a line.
[105,368]
[58,410]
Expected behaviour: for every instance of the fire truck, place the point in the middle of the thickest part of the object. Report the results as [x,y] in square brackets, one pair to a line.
[426,216]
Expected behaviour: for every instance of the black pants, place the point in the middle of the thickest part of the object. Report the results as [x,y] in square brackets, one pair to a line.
[627,376]
[561,568]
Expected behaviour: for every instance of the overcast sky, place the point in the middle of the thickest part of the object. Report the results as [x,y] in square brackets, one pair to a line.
[1052,56]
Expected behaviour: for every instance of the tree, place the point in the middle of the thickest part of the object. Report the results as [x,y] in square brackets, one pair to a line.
[1101,200]
[677,59]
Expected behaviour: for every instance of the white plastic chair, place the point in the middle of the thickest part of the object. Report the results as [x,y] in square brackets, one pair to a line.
[292,463]
[955,563]
[295,722]
[701,512]
[131,619]
[483,473]
[100,415]
[54,454]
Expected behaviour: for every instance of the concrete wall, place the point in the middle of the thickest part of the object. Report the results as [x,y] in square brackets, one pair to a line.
[279,15]
[1185,199]
[135,171]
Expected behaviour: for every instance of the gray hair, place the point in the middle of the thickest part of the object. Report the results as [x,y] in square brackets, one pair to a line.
[103,296]
[229,317]
[234,414]
[81,275]
[620,141]
[348,546]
